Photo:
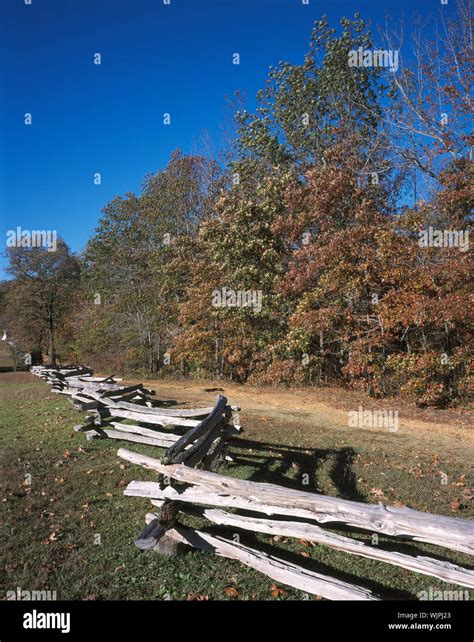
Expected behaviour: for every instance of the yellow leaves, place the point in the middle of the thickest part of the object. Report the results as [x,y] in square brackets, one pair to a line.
[377,493]
[52,537]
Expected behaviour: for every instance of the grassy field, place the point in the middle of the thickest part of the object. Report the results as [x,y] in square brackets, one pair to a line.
[60,492]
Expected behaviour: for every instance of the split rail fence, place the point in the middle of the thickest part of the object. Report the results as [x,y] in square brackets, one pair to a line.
[197,442]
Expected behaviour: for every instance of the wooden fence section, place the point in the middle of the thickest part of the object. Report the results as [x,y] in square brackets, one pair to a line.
[188,483]
[201,440]
[113,406]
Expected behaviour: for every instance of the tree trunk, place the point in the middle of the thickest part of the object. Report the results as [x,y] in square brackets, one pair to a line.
[52,347]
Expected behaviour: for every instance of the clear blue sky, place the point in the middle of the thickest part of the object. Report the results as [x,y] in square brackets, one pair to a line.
[156,58]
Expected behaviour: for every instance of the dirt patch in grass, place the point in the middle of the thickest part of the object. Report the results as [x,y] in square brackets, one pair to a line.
[10,378]
[324,407]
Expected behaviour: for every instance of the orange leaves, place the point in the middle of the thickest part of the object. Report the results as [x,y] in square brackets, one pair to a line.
[277,592]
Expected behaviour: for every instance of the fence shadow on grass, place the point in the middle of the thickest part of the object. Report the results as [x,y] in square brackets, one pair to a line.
[310,563]
[272,463]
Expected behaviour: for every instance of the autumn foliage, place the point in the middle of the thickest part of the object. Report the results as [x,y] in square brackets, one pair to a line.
[319,214]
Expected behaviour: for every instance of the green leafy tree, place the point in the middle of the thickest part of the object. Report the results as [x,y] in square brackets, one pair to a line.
[132,279]
[304,109]
[42,294]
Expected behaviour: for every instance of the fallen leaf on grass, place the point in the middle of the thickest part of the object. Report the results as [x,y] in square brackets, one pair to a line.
[276,592]
[455,505]
[70,547]
[377,492]
[231,591]
[197,596]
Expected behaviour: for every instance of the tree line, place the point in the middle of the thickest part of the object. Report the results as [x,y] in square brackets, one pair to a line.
[329,245]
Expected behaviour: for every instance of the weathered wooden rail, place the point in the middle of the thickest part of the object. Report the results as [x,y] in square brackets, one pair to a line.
[113,406]
[188,483]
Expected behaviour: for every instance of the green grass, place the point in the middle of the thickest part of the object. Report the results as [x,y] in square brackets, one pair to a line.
[76,493]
